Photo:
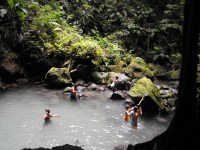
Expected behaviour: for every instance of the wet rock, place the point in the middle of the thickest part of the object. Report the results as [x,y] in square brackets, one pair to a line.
[63,147]
[101,89]
[80,82]
[118,95]
[92,87]
[21,81]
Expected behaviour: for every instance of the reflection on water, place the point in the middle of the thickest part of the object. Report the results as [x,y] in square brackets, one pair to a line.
[93,123]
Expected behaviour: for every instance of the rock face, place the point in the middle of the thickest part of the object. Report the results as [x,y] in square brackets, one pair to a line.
[81,72]
[63,147]
[145,87]
[10,68]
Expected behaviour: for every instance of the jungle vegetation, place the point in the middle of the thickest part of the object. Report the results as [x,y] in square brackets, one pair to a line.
[111,31]
[107,31]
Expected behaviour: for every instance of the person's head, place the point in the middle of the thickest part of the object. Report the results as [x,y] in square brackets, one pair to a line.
[138,105]
[47,110]
[135,109]
[127,107]
[75,87]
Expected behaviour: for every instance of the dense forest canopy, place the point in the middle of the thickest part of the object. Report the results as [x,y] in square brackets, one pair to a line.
[137,27]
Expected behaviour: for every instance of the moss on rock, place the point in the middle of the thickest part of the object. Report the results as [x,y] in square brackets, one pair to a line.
[58,77]
[138,70]
[145,86]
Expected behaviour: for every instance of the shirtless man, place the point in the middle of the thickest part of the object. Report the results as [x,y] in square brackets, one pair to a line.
[73,92]
[126,116]
[114,83]
[48,116]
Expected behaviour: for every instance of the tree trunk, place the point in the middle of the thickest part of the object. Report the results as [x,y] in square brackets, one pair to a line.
[183,132]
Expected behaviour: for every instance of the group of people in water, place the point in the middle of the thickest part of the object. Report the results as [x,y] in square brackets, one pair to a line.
[132,113]
[73,91]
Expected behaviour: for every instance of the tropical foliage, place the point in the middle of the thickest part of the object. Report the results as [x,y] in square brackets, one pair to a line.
[107,31]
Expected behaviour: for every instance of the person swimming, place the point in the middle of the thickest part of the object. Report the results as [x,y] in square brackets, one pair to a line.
[48,116]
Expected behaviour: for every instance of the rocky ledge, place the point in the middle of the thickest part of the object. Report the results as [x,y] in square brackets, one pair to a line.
[63,147]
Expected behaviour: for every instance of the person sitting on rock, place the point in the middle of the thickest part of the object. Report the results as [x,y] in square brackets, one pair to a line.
[114,83]
[128,85]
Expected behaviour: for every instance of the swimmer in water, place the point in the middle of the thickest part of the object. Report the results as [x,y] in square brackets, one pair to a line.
[73,93]
[135,112]
[48,116]
[126,116]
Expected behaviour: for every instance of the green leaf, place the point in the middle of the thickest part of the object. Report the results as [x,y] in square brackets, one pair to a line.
[22,15]
[11,4]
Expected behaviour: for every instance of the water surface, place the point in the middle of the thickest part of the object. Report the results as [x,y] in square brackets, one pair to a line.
[95,123]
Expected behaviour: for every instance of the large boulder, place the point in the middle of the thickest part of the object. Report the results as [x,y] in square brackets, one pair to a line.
[58,77]
[138,69]
[145,87]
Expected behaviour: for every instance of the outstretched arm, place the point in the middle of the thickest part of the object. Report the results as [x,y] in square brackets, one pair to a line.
[141,100]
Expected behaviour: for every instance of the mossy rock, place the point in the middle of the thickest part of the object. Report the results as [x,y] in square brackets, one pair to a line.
[145,87]
[175,74]
[58,77]
[137,69]
[153,68]
[116,68]
[100,77]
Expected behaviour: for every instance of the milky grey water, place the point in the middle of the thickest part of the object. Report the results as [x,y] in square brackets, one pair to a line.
[95,123]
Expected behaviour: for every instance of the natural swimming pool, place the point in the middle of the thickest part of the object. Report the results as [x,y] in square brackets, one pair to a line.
[95,123]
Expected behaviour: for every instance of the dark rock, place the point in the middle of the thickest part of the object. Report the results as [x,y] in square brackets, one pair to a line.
[63,147]
[118,95]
